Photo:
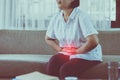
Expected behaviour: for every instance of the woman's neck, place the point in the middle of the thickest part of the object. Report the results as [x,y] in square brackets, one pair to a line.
[66,14]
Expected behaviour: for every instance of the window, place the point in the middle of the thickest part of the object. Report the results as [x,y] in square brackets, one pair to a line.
[27,14]
[36,14]
[102,12]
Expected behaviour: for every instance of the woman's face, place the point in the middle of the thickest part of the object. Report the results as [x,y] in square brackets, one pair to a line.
[64,4]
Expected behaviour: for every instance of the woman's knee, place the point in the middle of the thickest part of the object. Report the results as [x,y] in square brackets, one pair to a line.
[67,70]
[63,71]
[75,67]
[55,63]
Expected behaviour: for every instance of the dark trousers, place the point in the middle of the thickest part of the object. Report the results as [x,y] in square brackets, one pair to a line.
[60,65]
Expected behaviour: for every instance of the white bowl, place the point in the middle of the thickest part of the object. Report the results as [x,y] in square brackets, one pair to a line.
[71,78]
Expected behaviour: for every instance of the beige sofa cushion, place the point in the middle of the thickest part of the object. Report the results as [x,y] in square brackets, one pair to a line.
[25,57]
[16,64]
[45,58]
[23,42]
[32,42]
[110,42]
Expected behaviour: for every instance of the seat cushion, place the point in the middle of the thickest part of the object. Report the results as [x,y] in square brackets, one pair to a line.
[12,65]
[25,57]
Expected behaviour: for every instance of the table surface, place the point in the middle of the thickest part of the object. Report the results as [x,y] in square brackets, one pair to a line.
[80,79]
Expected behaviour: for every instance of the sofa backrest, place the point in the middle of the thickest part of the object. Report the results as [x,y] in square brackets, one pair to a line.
[110,41]
[23,42]
[32,42]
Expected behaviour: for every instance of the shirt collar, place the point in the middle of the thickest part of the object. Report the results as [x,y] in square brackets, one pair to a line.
[72,15]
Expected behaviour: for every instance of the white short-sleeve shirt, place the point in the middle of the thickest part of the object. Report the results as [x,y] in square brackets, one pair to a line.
[73,33]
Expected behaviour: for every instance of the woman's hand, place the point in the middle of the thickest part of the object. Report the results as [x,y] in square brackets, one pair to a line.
[78,51]
[58,49]
[70,50]
[53,43]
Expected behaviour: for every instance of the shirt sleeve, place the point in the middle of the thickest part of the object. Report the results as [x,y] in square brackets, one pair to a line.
[87,26]
[50,30]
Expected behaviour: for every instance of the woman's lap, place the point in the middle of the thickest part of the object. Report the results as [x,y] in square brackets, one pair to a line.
[60,65]
[76,66]
[55,63]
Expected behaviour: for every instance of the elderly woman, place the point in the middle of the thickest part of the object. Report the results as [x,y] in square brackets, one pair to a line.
[77,45]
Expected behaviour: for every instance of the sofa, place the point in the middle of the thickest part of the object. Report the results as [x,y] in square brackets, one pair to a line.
[23,51]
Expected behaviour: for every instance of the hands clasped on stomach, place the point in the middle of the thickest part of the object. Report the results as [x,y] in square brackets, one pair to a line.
[69,50]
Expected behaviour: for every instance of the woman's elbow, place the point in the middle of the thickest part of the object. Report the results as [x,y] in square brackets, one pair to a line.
[47,39]
[93,44]
[96,43]
[93,40]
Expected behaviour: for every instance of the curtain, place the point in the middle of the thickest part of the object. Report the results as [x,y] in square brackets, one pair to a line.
[36,14]
[102,12]
[26,14]
[5,14]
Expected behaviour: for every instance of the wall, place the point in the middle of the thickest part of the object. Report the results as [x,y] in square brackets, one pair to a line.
[116,24]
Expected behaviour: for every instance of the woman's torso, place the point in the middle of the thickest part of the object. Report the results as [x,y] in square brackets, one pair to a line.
[70,34]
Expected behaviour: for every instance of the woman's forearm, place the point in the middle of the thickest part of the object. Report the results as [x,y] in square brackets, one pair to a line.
[86,48]
[90,44]
[53,44]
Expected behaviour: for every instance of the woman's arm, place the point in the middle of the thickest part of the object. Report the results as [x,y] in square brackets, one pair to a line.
[52,42]
[91,42]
